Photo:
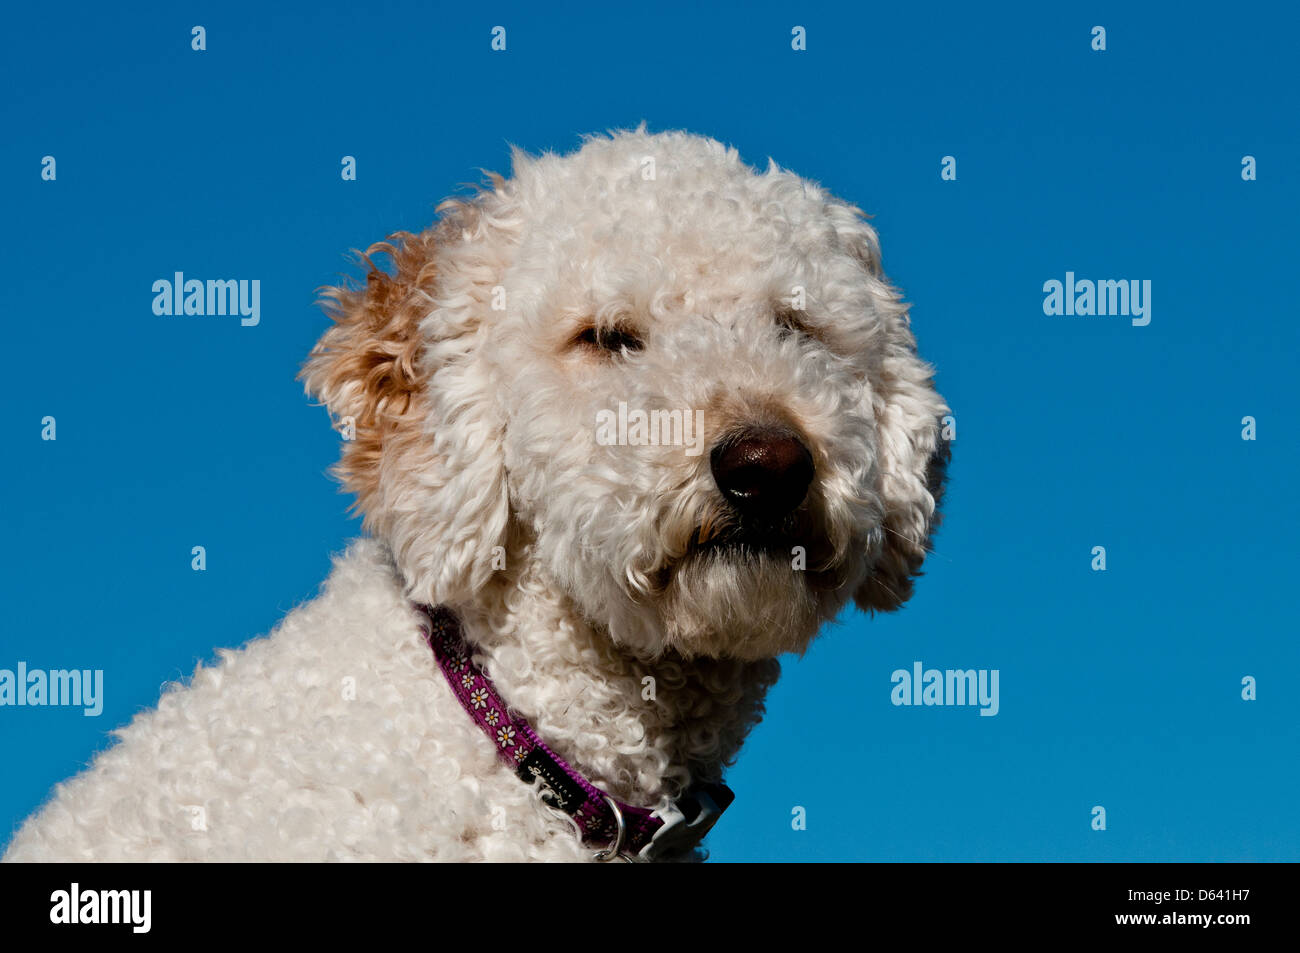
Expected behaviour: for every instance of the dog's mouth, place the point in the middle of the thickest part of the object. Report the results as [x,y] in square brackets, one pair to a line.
[747,541]
[795,540]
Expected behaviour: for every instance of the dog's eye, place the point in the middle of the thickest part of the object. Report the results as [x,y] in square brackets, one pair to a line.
[613,340]
[789,322]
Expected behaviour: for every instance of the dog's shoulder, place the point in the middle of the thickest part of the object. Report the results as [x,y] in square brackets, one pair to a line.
[255,747]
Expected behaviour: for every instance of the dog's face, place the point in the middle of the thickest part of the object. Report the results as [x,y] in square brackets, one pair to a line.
[679,388]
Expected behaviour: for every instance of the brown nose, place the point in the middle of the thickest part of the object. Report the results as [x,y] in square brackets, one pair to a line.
[763,473]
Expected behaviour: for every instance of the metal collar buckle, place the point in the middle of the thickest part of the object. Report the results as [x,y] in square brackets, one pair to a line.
[614,850]
[685,824]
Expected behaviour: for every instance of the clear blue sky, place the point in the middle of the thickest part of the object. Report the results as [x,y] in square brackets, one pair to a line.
[1119,688]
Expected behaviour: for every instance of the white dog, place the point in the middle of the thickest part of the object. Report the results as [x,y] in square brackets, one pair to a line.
[639,420]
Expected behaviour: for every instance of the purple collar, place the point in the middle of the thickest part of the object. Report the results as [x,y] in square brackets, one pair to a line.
[620,830]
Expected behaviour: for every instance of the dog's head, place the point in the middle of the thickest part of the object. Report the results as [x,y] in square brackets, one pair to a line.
[681,389]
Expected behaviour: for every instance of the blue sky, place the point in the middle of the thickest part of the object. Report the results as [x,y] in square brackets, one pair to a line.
[1119,688]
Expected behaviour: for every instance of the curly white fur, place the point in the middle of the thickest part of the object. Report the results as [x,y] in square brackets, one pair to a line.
[578,569]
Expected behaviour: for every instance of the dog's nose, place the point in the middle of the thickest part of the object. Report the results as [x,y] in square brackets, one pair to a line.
[763,472]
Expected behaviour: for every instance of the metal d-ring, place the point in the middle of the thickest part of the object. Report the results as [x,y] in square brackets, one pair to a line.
[612,852]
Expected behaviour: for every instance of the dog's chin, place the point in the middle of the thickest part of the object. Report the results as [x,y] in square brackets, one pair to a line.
[745,601]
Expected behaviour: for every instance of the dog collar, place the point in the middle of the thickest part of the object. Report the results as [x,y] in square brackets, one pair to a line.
[618,829]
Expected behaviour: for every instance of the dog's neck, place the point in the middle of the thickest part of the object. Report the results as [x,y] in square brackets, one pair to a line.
[642,730]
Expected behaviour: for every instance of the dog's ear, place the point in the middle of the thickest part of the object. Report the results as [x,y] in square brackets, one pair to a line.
[399,374]
[912,452]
